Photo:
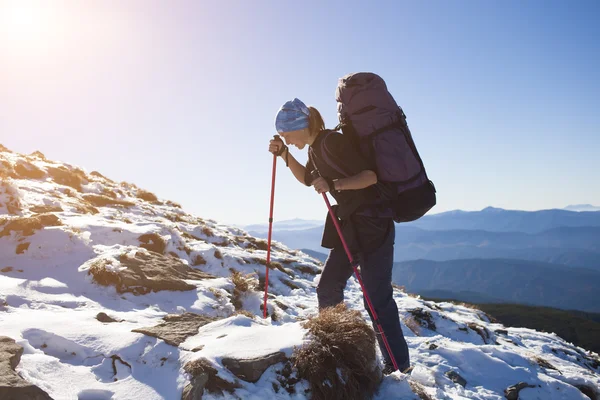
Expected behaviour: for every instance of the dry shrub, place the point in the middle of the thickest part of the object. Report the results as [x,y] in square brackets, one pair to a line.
[102,275]
[543,363]
[289,284]
[339,360]
[173,204]
[28,226]
[28,171]
[64,176]
[401,288]
[198,260]
[109,193]
[6,170]
[39,155]
[83,208]
[307,269]
[277,265]
[189,236]
[153,242]
[44,209]
[13,204]
[22,248]
[99,175]
[241,284]
[99,200]
[145,195]
[257,244]
[245,313]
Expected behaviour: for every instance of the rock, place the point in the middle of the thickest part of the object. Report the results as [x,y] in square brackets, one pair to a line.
[195,389]
[12,386]
[177,327]
[481,331]
[251,369]
[103,317]
[205,376]
[512,392]
[456,378]
[147,272]
[424,318]
[433,346]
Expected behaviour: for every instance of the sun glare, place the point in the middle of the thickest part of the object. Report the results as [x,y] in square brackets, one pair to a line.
[23,20]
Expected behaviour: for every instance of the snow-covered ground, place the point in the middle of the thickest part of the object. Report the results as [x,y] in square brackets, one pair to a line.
[49,303]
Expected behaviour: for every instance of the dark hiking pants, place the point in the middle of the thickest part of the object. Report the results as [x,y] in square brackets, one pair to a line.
[376,272]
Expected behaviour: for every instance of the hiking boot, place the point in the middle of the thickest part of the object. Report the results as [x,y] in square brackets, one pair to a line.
[389,369]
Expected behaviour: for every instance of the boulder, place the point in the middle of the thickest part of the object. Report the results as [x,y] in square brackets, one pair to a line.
[251,369]
[12,386]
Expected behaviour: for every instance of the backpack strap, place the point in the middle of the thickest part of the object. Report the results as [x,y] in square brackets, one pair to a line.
[326,155]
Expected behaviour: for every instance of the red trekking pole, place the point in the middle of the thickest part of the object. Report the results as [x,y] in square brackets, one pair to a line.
[362,286]
[270,230]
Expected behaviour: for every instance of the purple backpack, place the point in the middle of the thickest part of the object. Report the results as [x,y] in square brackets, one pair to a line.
[377,126]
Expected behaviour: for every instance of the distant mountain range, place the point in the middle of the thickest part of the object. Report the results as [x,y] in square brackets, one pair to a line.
[489,219]
[501,280]
[500,220]
[549,257]
[571,246]
[582,207]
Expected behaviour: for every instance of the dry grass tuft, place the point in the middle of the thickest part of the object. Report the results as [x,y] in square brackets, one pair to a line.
[68,177]
[245,312]
[218,254]
[145,195]
[339,360]
[153,242]
[198,260]
[99,200]
[173,204]
[27,170]
[241,284]
[13,203]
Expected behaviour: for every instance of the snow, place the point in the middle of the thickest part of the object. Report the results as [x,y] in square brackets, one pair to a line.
[49,303]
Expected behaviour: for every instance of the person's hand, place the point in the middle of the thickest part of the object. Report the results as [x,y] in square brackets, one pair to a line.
[276,146]
[321,185]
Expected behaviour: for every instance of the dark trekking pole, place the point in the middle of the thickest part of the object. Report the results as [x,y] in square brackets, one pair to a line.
[354,264]
[270,231]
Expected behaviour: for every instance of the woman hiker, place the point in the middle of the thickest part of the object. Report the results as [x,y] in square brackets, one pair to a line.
[368,229]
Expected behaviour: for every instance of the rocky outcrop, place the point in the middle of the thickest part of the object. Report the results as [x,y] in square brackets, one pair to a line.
[12,386]
[176,328]
[146,272]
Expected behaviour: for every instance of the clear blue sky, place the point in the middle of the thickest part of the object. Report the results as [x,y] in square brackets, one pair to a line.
[180,97]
